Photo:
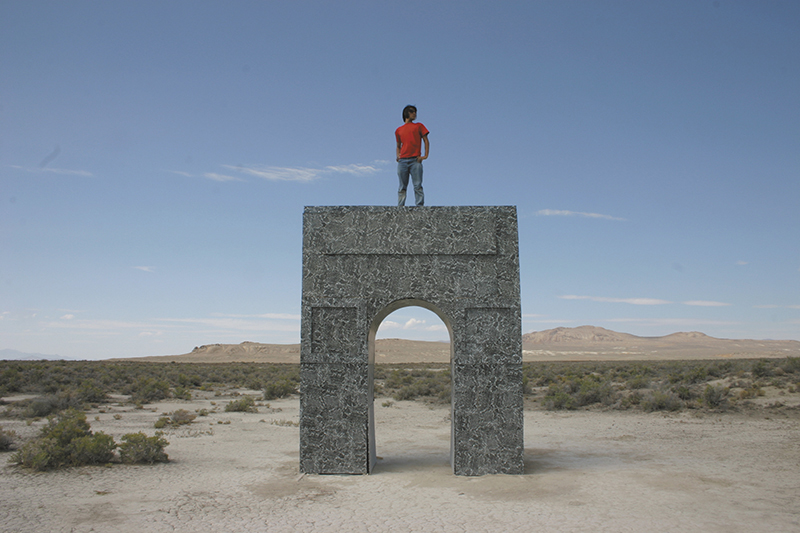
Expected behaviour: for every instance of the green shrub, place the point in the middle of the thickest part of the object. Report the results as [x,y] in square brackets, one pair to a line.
[38,454]
[661,401]
[408,383]
[684,393]
[66,441]
[97,448]
[576,392]
[751,392]
[139,448]
[90,392]
[715,397]
[182,417]
[791,365]
[638,382]
[761,369]
[557,398]
[591,391]
[148,390]
[285,423]
[432,386]
[49,404]
[182,393]
[245,404]
[398,379]
[177,418]
[279,389]
[632,399]
[7,438]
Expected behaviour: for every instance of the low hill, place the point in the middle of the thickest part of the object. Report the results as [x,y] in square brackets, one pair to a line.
[584,343]
[386,351]
[590,343]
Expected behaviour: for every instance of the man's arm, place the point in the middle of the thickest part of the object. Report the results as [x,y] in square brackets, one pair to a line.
[427,149]
[399,144]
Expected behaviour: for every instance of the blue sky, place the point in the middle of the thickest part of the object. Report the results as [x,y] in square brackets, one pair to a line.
[155,158]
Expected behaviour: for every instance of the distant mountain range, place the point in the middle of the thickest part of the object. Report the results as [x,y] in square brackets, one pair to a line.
[16,355]
[594,343]
[584,343]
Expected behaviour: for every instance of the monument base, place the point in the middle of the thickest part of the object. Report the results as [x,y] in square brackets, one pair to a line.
[362,263]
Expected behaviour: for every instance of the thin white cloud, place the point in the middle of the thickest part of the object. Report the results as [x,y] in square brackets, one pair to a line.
[553,321]
[563,213]
[705,303]
[235,324]
[358,170]
[208,175]
[674,322]
[742,263]
[275,316]
[412,324]
[301,174]
[279,173]
[632,301]
[145,268]
[221,325]
[272,173]
[220,177]
[109,326]
[63,171]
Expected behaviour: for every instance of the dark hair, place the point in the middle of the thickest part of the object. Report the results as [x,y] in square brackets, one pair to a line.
[407,111]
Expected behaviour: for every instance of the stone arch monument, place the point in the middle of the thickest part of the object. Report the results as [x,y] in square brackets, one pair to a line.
[362,263]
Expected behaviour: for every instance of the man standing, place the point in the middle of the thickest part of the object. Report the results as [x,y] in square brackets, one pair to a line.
[410,137]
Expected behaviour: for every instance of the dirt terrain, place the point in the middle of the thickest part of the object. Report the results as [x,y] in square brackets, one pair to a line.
[584,471]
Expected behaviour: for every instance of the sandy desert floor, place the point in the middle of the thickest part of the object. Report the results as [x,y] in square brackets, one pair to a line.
[585,471]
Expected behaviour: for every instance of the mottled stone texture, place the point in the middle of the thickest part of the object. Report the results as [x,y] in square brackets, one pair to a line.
[362,263]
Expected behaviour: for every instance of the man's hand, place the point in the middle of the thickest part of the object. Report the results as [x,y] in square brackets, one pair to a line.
[421,158]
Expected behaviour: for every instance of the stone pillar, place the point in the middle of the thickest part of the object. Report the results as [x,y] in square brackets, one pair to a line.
[362,263]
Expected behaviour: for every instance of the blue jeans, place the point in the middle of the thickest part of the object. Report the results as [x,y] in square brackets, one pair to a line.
[411,166]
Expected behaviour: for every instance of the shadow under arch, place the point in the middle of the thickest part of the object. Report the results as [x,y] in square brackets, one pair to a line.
[373,330]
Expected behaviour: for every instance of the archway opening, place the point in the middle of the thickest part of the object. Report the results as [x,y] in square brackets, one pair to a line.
[410,347]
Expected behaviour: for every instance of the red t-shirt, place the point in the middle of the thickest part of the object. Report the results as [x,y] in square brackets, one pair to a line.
[409,136]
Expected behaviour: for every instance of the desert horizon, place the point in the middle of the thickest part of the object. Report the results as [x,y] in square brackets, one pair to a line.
[583,343]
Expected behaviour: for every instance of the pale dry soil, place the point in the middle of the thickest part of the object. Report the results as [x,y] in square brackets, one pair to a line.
[585,471]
